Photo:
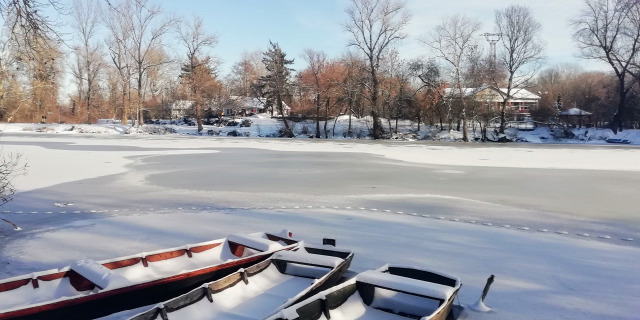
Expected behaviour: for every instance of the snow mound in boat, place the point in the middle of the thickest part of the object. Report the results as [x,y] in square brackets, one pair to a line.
[409,285]
[307,258]
[98,274]
[254,242]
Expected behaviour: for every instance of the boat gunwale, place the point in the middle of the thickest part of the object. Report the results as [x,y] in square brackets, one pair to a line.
[66,301]
[444,306]
[235,278]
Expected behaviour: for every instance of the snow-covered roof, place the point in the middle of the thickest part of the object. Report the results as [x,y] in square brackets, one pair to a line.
[181,105]
[521,94]
[186,104]
[454,91]
[254,103]
[499,93]
[575,112]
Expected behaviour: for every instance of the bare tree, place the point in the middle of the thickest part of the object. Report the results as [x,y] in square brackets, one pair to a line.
[453,42]
[29,21]
[605,31]
[633,28]
[374,26]
[43,71]
[522,52]
[196,41]
[317,61]
[89,56]
[245,74]
[10,167]
[147,31]
[394,79]
[351,84]
[119,44]
[427,80]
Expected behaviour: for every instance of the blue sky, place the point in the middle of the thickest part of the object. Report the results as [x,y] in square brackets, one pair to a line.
[248,25]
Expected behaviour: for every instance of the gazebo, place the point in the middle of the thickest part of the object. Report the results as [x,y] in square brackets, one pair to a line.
[575,116]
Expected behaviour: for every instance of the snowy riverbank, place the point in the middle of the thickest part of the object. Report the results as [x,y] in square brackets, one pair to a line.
[264,126]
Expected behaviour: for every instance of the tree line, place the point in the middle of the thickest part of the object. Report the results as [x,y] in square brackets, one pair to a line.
[121,67]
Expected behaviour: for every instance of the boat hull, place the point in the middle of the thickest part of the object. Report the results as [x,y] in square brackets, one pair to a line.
[99,305]
[215,300]
[405,293]
[93,303]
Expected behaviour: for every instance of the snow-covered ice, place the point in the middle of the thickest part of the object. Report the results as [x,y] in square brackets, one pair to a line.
[126,191]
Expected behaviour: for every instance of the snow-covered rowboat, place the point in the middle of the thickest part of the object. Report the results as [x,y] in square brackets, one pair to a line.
[620,141]
[260,290]
[89,289]
[389,293]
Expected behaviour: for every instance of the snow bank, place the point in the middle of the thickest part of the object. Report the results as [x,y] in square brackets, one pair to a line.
[341,127]
[576,136]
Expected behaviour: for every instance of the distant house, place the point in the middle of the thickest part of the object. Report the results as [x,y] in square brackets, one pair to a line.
[184,108]
[521,101]
[576,117]
[247,106]
[181,109]
[234,106]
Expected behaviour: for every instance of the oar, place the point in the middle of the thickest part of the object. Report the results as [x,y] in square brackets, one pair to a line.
[15,226]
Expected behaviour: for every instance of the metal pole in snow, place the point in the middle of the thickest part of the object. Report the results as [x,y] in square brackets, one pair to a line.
[15,226]
[487,286]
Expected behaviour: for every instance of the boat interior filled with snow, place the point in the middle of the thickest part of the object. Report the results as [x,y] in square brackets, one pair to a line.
[262,289]
[389,293]
[620,141]
[89,289]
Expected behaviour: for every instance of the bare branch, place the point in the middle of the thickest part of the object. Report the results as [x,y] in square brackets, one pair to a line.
[374,26]
[609,30]
[522,52]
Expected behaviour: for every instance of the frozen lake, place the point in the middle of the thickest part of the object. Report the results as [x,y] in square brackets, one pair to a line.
[181,171]
[528,213]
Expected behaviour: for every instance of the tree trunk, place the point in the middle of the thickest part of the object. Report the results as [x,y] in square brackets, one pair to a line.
[89,102]
[317,100]
[465,133]
[503,118]
[377,125]
[350,109]
[139,103]
[124,105]
[199,116]
[465,130]
[287,131]
[326,118]
[388,114]
[616,122]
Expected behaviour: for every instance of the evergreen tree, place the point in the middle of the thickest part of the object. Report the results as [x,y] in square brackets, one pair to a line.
[277,81]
